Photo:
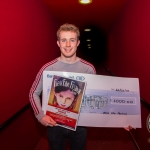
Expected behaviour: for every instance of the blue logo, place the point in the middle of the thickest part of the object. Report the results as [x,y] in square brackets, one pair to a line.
[49,76]
[71,77]
[81,78]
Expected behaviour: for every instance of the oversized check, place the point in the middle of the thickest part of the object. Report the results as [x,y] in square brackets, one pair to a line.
[108,101]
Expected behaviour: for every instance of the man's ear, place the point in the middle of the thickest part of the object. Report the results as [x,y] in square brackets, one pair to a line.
[58,43]
[78,43]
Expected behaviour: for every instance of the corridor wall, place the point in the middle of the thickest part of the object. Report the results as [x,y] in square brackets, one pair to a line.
[27,42]
[128,56]
[129,46]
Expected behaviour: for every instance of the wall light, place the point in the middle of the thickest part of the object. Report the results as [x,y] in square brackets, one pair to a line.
[85,1]
[87,29]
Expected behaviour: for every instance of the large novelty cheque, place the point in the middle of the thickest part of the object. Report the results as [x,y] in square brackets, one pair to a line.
[107,101]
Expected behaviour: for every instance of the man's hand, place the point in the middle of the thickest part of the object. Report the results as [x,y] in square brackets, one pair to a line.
[129,128]
[47,121]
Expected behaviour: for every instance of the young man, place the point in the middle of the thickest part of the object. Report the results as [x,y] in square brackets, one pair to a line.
[68,41]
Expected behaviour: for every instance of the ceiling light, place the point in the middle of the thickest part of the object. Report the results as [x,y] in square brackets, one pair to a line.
[88,40]
[89,45]
[85,1]
[87,29]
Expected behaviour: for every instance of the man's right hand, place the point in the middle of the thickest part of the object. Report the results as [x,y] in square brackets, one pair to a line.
[129,128]
[47,121]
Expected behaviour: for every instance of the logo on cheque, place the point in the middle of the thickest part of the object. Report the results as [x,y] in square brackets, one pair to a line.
[81,78]
[49,76]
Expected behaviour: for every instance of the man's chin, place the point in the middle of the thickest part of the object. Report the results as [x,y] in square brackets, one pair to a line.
[68,56]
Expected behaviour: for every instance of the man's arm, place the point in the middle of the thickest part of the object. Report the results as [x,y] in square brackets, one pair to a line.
[34,97]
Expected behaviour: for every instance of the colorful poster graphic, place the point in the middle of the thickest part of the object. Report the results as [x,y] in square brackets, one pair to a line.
[64,101]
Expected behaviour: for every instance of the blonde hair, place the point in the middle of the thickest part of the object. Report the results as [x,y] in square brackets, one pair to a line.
[68,27]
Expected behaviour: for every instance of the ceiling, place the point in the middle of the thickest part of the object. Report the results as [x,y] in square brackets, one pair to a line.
[100,13]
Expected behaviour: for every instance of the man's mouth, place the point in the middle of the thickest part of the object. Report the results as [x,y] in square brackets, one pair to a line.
[67,50]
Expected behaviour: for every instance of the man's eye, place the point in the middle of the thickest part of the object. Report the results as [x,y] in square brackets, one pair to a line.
[63,40]
[72,40]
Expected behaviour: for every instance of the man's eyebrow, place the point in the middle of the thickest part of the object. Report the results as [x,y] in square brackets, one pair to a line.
[73,38]
[70,38]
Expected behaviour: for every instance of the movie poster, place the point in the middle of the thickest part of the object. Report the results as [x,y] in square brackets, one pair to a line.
[64,101]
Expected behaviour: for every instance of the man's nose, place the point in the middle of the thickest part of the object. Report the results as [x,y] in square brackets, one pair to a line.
[68,43]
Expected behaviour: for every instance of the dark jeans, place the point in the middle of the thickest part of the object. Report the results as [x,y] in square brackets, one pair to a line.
[57,138]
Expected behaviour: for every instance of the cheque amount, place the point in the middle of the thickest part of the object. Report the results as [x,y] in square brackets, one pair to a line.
[123,100]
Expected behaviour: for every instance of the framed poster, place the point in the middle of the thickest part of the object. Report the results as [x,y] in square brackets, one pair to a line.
[64,101]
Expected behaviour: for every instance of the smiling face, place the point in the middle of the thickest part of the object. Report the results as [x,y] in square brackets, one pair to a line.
[68,43]
[65,98]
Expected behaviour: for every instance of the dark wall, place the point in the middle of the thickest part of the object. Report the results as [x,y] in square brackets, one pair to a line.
[128,55]
[129,45]
[27,41]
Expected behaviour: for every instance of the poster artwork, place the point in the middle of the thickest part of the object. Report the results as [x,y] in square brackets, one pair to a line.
[65,100]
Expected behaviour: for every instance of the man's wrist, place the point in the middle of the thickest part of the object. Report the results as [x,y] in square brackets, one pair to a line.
[40,116]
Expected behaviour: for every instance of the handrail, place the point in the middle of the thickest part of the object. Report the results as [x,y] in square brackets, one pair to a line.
[108,70]
[11,119]
[145,102]
[134,141]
